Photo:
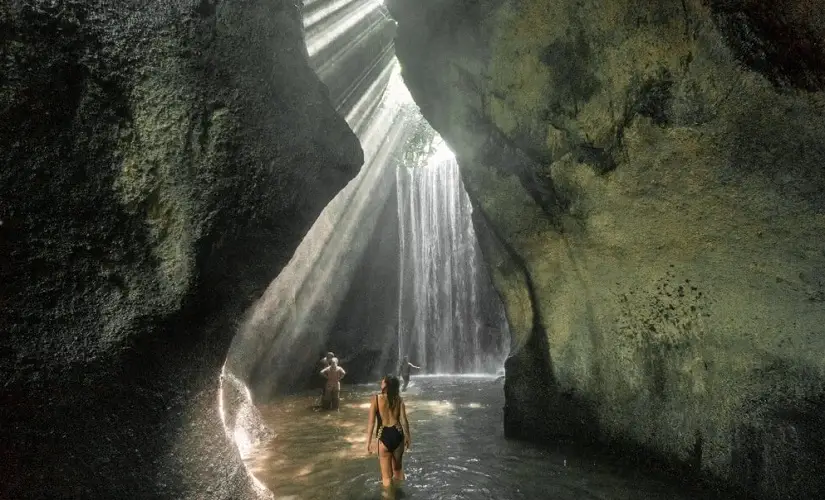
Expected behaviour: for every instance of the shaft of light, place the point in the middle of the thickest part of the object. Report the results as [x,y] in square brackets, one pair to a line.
[313,16]
[291,320]
[326,32]
[361,112]
[327,66]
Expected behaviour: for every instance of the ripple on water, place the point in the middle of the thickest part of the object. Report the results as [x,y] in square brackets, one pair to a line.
[459,452]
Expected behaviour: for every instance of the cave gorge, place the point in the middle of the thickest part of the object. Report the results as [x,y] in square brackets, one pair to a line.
[619,205]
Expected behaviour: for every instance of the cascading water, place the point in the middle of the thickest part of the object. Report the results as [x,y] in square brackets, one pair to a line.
[349,44]
[450,321]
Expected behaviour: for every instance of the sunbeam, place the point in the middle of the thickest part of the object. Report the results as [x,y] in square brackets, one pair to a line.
[329,29]
[350,45]
[295,312]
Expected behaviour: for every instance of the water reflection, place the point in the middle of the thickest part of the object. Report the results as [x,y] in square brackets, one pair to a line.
[458,452]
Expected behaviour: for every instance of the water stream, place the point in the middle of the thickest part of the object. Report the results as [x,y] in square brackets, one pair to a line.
[458,452]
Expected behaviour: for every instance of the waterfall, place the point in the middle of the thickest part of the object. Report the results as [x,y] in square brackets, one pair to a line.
[450,320]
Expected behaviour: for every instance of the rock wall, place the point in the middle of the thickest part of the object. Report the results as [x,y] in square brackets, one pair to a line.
[650,178]
[160,162]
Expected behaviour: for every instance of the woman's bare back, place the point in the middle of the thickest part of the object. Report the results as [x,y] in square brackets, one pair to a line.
[390,417]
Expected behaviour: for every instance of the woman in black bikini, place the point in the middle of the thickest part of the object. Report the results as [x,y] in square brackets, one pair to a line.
[388,413]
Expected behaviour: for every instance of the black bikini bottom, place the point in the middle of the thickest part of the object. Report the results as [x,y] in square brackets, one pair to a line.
[392,437]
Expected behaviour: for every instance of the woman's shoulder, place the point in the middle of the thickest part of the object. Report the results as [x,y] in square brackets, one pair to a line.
[380,396]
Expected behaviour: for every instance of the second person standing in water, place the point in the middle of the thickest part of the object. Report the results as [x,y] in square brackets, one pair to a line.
[332,392]
[405,372]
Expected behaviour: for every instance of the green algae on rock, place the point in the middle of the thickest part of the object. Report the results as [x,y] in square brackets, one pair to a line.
[659,180]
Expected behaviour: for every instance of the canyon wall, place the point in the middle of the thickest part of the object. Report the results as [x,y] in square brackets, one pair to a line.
[159,163]
[649,185]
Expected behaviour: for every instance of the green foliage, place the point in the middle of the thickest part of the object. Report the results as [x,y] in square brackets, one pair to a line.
[420,142]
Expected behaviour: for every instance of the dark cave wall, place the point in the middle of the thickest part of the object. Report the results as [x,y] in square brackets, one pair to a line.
[652,175]
[159,162]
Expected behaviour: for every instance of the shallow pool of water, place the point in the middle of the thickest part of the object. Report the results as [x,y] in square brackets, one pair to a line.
[458,452]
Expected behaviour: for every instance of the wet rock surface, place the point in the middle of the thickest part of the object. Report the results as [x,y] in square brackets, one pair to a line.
[160,162]
[650,181]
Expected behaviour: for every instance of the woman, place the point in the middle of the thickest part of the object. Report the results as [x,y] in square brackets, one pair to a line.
[387,410]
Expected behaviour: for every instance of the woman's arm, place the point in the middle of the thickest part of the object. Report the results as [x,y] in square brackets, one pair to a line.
[343,372]
[324,372]
[370,425]
[416,367]
[405,424]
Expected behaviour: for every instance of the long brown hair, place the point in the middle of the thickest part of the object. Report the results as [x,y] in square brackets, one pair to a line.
[393,389]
